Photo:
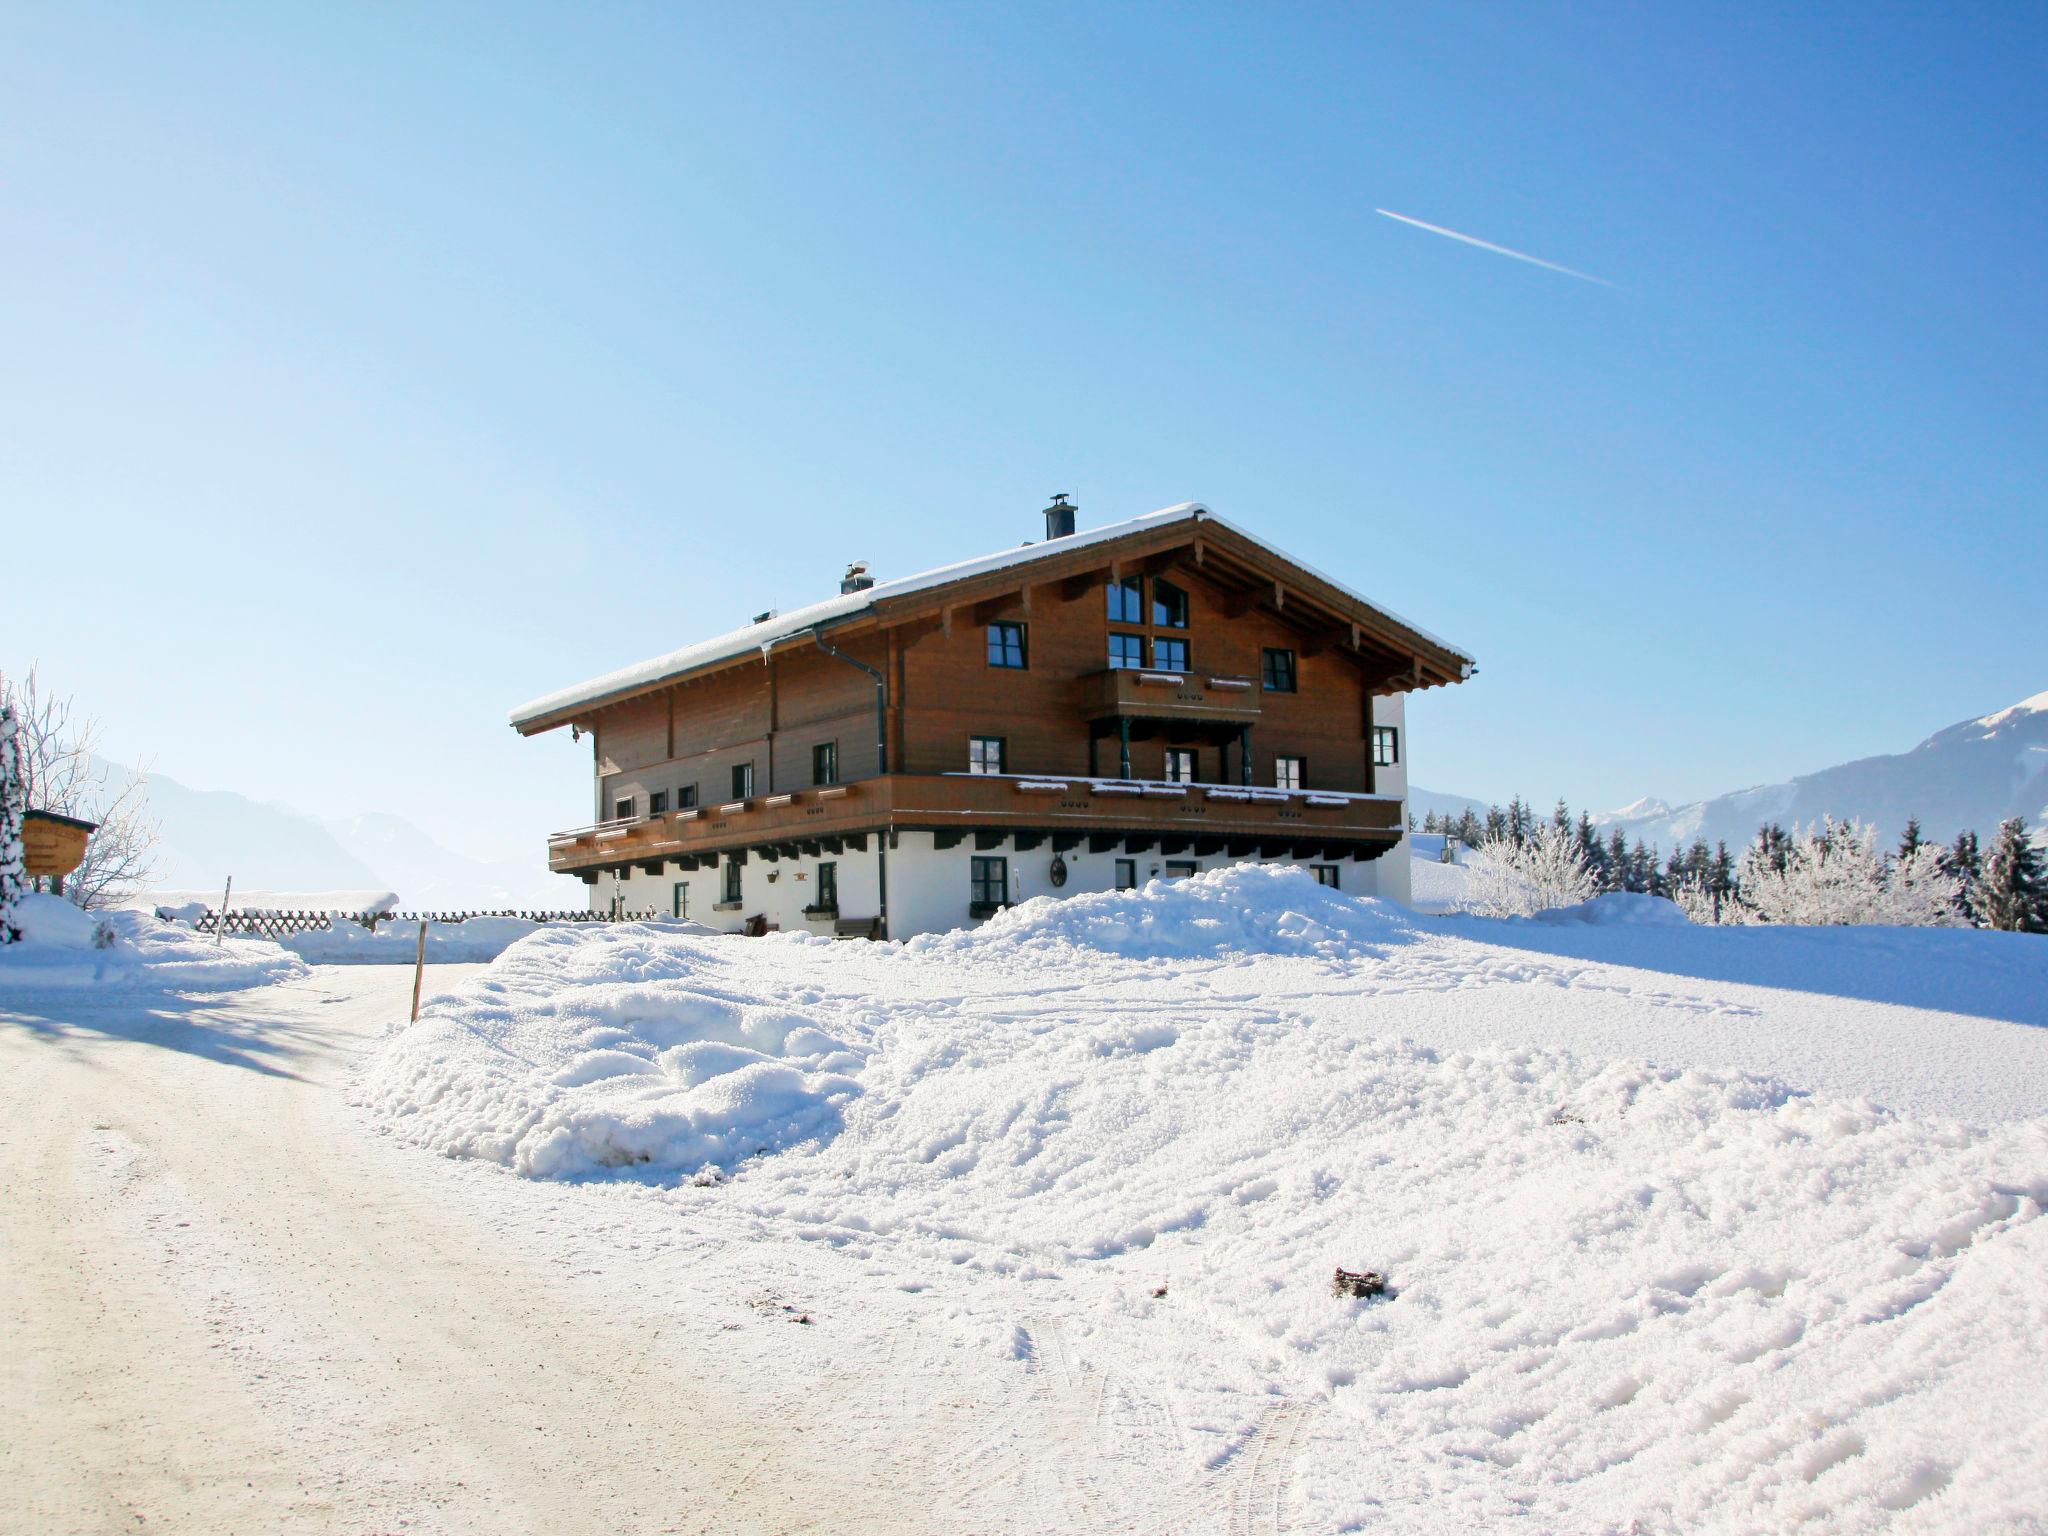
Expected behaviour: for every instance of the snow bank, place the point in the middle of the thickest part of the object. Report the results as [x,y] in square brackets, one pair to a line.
[65,948]
[1242,911]
[1141,1129]
[582,1051]
[1612,908]
[473,940]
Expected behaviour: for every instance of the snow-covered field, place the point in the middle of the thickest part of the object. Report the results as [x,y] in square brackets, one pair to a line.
[1729,1229]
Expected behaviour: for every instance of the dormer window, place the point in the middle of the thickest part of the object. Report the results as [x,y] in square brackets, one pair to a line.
[1006,645]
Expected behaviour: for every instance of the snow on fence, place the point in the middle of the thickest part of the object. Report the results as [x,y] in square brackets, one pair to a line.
[278,924]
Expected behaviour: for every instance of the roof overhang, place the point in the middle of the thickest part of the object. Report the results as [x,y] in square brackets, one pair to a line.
[1402,655]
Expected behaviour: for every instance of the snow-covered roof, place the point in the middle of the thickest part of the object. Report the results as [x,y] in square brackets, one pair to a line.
[787,626]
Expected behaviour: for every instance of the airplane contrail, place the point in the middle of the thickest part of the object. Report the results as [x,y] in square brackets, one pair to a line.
[1498,250]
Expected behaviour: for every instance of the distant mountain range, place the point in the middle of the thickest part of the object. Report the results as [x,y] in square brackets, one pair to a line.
[1971,776]
[209,834]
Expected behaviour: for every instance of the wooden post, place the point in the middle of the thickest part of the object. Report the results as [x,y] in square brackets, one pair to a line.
[419,971]
[221,927]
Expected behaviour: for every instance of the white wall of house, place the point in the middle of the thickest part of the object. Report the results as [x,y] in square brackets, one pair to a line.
[929,888]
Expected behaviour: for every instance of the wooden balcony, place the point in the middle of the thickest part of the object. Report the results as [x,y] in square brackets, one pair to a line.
[1243,821]
[1151,694]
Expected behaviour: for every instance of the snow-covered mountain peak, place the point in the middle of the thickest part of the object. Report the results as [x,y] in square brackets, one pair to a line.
[1636,810]
[2036,705]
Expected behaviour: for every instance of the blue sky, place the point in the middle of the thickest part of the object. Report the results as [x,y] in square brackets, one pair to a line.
[369,372]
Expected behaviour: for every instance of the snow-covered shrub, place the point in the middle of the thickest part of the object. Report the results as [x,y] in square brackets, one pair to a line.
[1514,877]
[13,805]
[1834,874]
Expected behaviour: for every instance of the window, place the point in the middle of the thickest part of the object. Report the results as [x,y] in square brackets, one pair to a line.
[1169,606]
[1127,874]
[1179,869]
[657,801]
[991,887]
[623,810]
[1127,601]
[1126,651]
[1386,745]
[825,763]
[984,754]
[742,780]
[1006,645]
[731,887]
[828,887]
[1289,772]
[1326,874]
[1180,765]
[1278,672]
[681,898]
[1170,655]
[686,797]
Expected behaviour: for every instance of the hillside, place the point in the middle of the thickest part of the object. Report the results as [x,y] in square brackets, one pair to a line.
[209,834]
[1973,775]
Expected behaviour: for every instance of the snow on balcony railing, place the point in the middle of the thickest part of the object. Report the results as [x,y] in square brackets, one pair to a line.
[1168,679]
[774,801]
[1259,792]
[1230,682]
[1041,786]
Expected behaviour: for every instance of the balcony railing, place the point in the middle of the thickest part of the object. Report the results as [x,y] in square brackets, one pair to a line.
[1159,694]
[985,803]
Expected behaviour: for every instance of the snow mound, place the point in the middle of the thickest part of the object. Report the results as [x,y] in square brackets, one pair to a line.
[65,948]
[1616,907]
[1244,911]
[474,941]
[584,1051]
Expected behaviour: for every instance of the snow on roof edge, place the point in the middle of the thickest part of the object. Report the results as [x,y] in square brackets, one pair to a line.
[784,626]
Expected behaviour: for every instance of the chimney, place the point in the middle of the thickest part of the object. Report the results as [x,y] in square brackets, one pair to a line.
[856,578]
[1059,517]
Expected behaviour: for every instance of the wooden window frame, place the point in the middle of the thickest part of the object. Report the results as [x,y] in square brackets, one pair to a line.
[657,802]
[1386,746]
[826,902]
[625,807]
[1161,613]
[1331,875]
[1186,662]
[1121,866]
[1138,650]
[1002,746]
[1133,588]
[743,774]
[729,888]
[995,649]
[825,756]
[1300,770]
[1268,672]
[1182,869]
[686,797]
[1194,764]
[981,868]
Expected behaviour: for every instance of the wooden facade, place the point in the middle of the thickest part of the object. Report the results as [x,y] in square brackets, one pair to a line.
[1181,650]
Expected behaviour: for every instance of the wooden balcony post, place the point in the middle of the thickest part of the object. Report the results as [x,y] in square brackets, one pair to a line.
[1123,746]
[1244,755]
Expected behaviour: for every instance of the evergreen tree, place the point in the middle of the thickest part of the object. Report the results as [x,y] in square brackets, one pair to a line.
[1561,818]
[1616,864]
[1496,825]
[1912,839]
[13,808]
[2012,892]
[1520,822]
[1428,821]
[1967,865]
[1469,829]
[1642,869]
[1674,874]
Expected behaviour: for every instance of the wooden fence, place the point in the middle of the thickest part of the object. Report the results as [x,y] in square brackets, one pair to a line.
[278,924]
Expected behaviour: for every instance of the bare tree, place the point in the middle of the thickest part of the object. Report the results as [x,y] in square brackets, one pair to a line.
[61,773]
[1518,877]
[13,802]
